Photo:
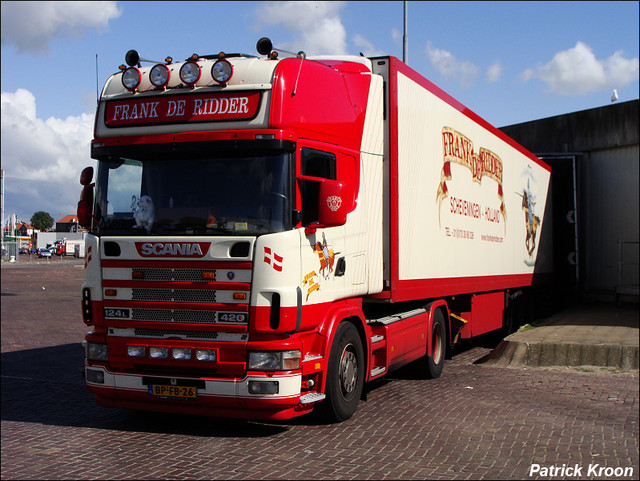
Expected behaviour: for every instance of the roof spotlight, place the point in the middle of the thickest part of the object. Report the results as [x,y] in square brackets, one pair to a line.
[159,75]
[131,78]
[221,71]
[190,73]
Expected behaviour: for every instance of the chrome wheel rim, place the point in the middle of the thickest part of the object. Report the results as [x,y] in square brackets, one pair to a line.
[348,371]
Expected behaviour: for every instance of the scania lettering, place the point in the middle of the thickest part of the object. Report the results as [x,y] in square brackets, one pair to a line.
[267,235]
[171,249]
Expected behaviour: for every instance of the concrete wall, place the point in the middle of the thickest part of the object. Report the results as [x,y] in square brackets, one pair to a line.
[45,238]
[615,125]
[605,144]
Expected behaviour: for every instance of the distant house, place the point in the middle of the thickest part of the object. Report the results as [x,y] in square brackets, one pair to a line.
[25,230]
[68,223]
[22,230]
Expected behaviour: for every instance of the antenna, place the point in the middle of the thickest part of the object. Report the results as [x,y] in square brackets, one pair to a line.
[265,47]
[97,83]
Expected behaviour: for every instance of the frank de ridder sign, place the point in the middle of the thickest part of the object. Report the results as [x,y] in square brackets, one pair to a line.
[182,108]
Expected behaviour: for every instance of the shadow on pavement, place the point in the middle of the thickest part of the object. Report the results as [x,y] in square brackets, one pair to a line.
[45,386]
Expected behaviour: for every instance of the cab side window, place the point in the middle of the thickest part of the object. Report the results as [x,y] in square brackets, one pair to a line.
[314,166]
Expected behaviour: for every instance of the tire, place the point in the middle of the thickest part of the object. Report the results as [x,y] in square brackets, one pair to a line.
[438,340]
[345,374]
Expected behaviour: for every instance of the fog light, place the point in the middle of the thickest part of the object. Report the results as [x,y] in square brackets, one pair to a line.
[95,376]
[158,352]
[206,354]
[182,353]
[136,351]
[264,387]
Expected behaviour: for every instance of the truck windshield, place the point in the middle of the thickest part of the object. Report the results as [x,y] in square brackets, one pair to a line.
[194,196]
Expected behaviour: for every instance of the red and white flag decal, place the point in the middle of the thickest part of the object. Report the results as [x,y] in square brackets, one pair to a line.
[273,259]
[87,257]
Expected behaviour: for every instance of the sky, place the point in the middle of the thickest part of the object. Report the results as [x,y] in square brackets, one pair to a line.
[509,62]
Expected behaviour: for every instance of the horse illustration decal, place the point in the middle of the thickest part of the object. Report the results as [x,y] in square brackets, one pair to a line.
[532,221]
[326,257]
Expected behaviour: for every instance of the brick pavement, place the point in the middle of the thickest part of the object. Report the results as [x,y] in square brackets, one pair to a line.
[475,422]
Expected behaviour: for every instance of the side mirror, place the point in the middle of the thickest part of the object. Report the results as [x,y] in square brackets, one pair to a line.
[85,205]
[86,176]
[332,207]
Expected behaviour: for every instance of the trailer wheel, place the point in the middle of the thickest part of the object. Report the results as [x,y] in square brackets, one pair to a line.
[438,340]
[345,374]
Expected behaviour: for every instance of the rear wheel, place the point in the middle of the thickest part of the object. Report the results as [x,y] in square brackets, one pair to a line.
[345,374]
[438,340]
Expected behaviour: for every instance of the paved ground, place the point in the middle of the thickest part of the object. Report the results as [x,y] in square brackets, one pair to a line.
[478,421]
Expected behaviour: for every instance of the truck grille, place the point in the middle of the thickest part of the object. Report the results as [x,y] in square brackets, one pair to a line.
[174,295]
[173,274]
[174,315]
[212,293]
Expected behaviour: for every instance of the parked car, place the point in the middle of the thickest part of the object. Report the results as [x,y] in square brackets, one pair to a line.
[44,253]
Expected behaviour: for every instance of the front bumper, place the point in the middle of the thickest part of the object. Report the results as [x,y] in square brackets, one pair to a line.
[218,397]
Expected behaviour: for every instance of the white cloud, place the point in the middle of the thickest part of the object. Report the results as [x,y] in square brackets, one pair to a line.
[29,26]
[366,47]
[42,159]
[494,72]
[577,71]
[317,26]
[446,64]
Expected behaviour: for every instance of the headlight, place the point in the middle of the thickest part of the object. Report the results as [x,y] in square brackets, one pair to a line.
[190,73]
[96,352]
[159,75]
[221,71]
[274,360]
[131,78]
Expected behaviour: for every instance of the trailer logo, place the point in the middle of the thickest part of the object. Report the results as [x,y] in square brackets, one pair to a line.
[459,149]
[172,249]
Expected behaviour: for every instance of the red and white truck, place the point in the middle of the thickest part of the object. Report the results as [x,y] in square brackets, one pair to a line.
[267,235]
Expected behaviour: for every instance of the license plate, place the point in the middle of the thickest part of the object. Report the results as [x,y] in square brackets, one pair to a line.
[173,392]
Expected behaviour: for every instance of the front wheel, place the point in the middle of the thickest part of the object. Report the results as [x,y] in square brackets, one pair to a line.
[345,374]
